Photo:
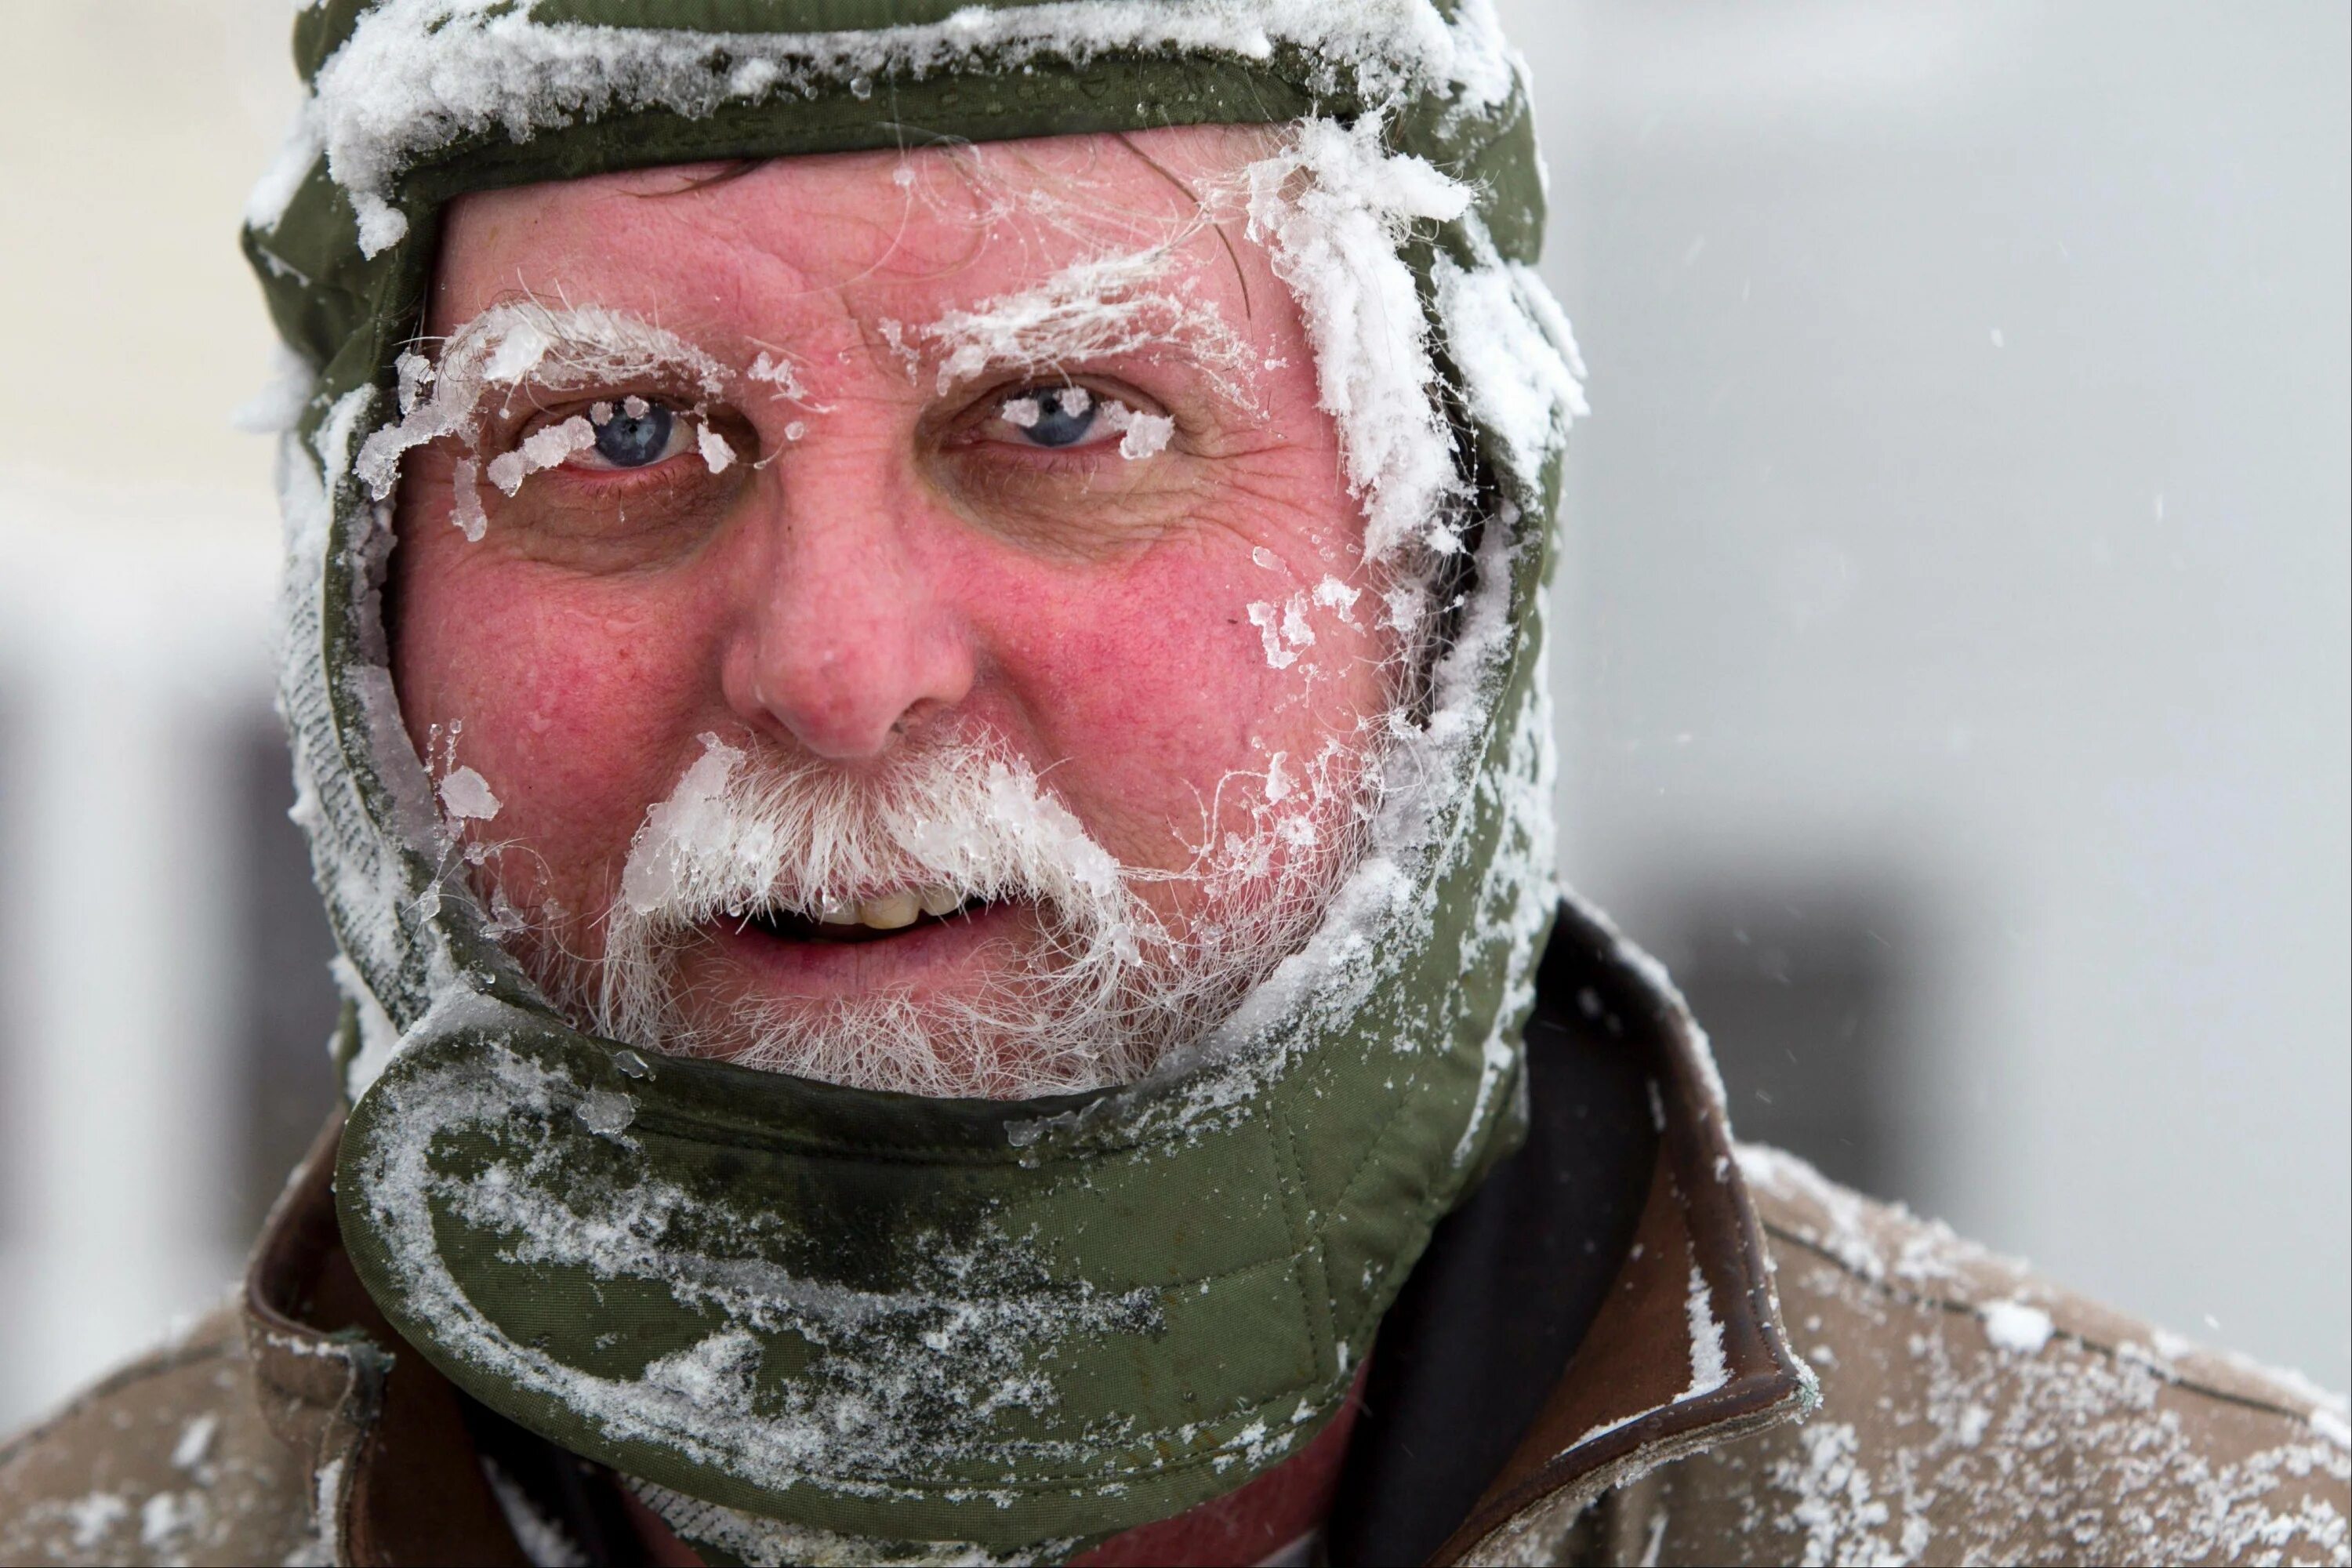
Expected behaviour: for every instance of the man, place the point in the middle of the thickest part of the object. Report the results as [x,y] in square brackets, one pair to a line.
[915,668]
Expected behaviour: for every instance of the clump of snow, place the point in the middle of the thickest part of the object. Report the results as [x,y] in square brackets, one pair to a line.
[2017,1326]
[1334,206]
[604,1110]
[466,513]
[93,1514]
[1525,386]
[680,833]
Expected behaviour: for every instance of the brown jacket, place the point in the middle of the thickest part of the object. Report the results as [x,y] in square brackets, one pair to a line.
[1967,1411]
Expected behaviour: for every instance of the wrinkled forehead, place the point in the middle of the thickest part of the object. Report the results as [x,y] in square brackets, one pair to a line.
[909,232]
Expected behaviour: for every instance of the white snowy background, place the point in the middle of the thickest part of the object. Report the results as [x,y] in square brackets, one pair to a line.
[1953,629]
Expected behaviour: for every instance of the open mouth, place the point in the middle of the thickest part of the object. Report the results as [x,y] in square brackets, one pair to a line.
[871,920]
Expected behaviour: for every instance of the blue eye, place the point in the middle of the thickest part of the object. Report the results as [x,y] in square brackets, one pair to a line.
[632,440]
[1055,417]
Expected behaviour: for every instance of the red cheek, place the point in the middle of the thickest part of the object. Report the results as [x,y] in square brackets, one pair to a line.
[576,699]
[1148,690]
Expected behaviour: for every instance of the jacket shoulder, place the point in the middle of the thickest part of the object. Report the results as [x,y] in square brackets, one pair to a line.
[1972,1412]
[167,1460]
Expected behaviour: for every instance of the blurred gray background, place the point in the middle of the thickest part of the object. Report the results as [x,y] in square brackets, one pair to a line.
[1953,631]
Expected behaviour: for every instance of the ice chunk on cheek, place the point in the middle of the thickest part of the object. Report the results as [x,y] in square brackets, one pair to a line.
[1338,598]
[465,793]
[1284,629]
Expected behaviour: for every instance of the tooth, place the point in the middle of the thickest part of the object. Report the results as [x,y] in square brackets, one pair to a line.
[938,900]
[889,913]
[836,912]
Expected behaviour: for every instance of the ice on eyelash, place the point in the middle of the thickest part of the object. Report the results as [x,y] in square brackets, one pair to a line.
[501,350]
[1146,435]
[545,448]
[1141,434]
[715,449]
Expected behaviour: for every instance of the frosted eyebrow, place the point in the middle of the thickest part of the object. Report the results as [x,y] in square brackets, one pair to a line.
[1099,308]
[511,345]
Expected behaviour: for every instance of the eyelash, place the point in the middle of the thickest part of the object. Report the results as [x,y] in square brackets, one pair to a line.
[966,429]
[989,408]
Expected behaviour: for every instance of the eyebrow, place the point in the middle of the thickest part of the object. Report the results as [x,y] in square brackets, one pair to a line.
[514,343]
[1097,308]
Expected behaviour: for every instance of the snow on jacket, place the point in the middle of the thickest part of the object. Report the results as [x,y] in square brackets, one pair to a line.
[1533,1399]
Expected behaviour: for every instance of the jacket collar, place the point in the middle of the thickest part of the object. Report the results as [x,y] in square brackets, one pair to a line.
[377,1446]
[1687,1352]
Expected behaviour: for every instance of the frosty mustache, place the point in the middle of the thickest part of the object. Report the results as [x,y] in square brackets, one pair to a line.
[957,822]
[740,838]
[1095,987]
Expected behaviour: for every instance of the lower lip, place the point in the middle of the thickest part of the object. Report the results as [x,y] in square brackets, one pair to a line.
[931,956]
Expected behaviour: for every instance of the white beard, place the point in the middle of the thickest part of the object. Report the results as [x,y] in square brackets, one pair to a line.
[1112,991]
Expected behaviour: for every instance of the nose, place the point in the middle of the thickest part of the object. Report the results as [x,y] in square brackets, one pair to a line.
[846,637]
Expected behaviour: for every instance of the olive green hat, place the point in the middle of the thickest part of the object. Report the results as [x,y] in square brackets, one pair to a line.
[1023,1326]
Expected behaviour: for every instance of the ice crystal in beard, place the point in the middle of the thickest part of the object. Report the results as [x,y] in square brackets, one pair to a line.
[1107,992]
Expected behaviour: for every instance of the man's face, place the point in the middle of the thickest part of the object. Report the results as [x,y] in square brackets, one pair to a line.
[893,539]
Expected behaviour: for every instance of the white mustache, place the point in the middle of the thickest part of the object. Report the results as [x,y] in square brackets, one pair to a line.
[737,838]
[1106,991]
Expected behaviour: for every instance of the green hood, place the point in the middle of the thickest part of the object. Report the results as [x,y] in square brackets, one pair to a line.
[1019,1325]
